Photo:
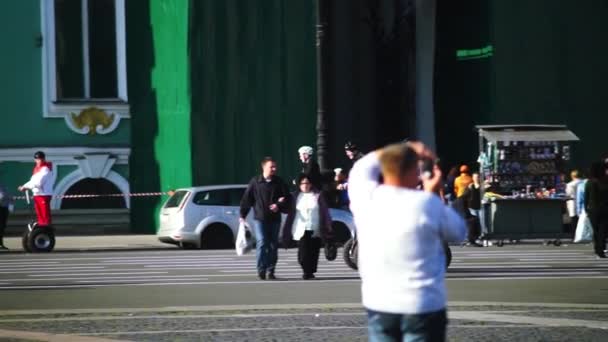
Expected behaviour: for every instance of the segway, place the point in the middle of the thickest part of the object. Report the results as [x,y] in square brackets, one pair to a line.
[37,239]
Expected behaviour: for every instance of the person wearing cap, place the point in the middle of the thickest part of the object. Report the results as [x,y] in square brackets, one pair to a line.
[463,181]
[352,151]
[41,185]
[310,168]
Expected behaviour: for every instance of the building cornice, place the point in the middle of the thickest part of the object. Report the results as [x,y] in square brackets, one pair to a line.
[63,155]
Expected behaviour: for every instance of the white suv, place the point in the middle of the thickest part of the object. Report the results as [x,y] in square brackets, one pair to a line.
[208,217]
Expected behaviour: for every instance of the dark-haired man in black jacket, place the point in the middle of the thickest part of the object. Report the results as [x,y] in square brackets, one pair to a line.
[268,194]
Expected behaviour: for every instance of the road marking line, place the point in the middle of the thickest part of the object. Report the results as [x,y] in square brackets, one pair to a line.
[104,273]
[10,263]
[555,259]
[57,270]
[36,267]
[37,336]
[489,274]
[526,278]
[452,266]
[280,282]
[135,280]
[514,262]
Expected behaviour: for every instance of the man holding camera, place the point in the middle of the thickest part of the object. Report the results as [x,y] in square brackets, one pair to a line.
[401,231]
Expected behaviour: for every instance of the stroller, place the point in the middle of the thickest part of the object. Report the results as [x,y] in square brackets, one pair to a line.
[37,239]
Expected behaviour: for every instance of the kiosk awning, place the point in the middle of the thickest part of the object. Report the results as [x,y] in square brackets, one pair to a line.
[527,133]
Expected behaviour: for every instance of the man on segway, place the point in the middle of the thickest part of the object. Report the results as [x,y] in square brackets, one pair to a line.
[40,236]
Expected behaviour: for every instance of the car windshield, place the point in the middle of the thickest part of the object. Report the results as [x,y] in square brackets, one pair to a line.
[176,199]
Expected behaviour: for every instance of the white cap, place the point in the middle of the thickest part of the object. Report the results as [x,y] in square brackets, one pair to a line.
[305,150]
[337,170]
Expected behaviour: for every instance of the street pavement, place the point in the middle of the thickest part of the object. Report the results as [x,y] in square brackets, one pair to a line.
[515,293]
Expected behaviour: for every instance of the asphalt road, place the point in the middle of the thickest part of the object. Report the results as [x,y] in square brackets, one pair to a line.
[522,292]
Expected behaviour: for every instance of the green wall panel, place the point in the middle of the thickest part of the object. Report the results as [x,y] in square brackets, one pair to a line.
[253,86]
[64,170]
[548,68]
[158,88]
[551,68]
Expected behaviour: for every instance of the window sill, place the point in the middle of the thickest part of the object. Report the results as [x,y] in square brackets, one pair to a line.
[61,109]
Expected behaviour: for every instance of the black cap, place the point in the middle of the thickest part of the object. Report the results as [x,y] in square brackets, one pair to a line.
[39,155]
[350,146]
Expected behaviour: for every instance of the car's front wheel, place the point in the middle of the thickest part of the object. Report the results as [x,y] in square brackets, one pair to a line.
[187,245]
[217,236]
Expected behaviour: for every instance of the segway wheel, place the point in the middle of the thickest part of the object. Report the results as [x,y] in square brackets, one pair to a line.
[350,253]
[41,240]
[25,241]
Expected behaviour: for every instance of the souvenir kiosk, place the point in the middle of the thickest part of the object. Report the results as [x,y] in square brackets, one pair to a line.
[522,168]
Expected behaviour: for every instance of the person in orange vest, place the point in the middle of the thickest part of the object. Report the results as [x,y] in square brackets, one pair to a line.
[461,182]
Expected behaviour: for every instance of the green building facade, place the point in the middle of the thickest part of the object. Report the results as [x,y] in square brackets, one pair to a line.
[154,95]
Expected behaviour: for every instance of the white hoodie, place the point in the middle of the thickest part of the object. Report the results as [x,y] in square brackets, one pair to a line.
[400,233]
[41,182]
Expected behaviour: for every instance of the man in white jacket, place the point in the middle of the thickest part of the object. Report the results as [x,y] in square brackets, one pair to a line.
[41,185]
[400,232]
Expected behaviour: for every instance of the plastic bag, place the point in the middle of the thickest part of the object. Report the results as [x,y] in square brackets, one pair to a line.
[331,251]
[584,230]
[244,240]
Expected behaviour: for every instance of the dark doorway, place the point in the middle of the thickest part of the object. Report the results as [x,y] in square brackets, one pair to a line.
[96,186]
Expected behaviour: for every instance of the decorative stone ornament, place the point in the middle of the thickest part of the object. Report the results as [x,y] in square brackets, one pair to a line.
[92,121]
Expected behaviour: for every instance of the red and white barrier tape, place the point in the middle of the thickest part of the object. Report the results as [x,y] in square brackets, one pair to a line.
[136,194]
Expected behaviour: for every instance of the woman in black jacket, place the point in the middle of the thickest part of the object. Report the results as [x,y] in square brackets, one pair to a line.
[309,223]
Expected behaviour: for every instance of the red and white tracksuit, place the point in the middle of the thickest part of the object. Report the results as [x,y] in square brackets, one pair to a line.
[41,185]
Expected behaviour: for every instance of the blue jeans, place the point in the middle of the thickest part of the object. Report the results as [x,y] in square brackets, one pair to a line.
[388,327]
[266,244]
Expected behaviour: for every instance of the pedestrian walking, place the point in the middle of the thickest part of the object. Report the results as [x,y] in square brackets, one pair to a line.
[268,195]
[309,223]
[596,206]
[448,187]
[472,202]
[571,191]
[401,232]
[5,203]
[310,167]
[461,182]
[341,189]
[41,185]
[352,151]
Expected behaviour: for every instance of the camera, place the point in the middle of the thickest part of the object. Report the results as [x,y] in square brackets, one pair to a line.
[426,168]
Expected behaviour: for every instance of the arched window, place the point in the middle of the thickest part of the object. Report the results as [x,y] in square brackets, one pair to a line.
[96,186]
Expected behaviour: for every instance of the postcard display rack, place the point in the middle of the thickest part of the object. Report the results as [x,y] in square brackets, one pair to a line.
[523,166]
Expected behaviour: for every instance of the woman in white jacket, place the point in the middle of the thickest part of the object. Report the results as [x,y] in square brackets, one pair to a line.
[309,223]
[41,185]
